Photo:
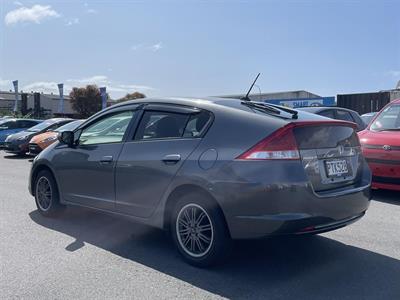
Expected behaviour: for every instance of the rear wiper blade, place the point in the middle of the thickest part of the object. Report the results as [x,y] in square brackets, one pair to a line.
[261,106]
[271,108]
[293,112]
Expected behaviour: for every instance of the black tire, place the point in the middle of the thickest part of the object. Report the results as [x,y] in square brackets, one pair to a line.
[47,206]
[218,249]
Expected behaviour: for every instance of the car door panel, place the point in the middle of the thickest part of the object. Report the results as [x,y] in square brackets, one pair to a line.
[144,171]
[85,178]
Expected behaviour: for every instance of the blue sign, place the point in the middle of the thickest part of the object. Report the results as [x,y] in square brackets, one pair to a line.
[302,102]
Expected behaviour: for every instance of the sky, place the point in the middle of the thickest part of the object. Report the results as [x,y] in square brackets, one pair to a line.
[200,48]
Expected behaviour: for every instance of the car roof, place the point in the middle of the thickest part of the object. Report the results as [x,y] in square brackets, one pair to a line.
[56,120]
[20,119]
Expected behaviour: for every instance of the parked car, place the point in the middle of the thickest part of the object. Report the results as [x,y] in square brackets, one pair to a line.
[338,113]
[367,118]
[380,143]
[18,143]
[10,126]
[42,141]
[209,170]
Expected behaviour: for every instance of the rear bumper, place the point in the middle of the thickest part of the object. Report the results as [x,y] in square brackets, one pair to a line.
[278,199]
[300,211]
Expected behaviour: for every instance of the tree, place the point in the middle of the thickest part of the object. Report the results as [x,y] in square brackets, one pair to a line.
[86,101]
[132,96]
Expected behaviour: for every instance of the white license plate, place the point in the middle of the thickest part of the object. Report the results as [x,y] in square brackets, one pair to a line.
[336,167]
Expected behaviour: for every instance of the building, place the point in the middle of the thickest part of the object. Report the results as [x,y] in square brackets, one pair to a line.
[368,102]
[35,104]
[299,98]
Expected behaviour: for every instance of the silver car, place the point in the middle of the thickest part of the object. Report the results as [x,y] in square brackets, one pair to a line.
[208,170]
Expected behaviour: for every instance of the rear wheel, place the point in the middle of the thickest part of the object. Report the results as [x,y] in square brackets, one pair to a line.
[199,231]
[46,195]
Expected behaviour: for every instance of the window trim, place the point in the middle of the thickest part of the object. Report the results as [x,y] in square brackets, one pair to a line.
[170,109]
[103,116]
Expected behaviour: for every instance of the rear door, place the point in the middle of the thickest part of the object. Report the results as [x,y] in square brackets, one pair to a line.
[165,137]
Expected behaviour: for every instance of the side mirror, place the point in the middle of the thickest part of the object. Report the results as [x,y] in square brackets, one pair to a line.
[66,137]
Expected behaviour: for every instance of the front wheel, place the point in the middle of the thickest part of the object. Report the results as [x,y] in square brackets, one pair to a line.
[46,195]
[199,231]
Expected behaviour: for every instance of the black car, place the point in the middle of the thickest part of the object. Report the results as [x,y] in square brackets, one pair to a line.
[338,113]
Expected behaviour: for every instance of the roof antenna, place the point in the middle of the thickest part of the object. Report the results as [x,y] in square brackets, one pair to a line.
[246,98]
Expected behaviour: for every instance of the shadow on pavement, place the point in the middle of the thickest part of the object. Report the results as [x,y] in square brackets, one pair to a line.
[391,197]
[298,267]
[16,156]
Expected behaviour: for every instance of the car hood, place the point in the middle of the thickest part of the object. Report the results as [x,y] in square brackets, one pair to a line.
[41,137]
[24,133]
[369,137]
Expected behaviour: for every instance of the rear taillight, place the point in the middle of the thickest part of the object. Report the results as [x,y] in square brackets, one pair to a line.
[281,144]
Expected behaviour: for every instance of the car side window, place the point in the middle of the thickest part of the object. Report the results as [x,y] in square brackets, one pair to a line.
[161,125]
[8,125]
[109,129]
[344,115]
[197,124]
[327,113]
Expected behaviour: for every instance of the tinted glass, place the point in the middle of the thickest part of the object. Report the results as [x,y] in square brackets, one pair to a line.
[110,129]
[325,137]
[41,126]
[26,124]
[196,124]
[327,113]
[7,125]
[70,126]
[388,119]
[344,115]
[159,125]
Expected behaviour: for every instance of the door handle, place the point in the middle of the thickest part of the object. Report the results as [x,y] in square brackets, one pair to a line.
[106,159]
[171,158]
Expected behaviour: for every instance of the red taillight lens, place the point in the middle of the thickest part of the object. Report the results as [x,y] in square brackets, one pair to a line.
[279,145]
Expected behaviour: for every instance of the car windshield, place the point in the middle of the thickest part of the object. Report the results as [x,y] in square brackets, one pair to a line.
[389,119]
[41,126]
[70,126]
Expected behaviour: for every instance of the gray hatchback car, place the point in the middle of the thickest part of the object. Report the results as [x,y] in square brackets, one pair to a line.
[208,170]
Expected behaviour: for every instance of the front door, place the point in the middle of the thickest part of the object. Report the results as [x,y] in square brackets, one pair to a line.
[85,173]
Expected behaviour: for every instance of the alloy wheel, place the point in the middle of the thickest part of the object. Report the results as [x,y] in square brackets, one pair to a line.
[194,230]
[43,193]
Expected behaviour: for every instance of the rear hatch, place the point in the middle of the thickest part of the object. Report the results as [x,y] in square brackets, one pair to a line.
[330,153]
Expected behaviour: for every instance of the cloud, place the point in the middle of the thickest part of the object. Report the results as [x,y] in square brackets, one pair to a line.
[116,88]
[6,84]
[156,47]
[17,3]
[71,22]
[153,48]
[394,73]
[46,87]
[91,11]
[35,14]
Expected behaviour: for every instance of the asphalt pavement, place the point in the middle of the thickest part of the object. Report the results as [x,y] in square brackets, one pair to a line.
[92,255]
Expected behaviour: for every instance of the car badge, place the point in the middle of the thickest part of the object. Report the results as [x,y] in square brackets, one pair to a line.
[387,147]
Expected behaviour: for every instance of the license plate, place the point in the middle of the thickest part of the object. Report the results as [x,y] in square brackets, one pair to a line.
[336,167]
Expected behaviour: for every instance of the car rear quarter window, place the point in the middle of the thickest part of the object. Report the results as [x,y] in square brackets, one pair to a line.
[344,115]
[327,113]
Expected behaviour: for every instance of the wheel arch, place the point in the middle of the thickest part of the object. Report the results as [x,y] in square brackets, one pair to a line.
[185,189]
[36,171]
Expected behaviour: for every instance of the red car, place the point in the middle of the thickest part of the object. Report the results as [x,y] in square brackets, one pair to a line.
[380,143]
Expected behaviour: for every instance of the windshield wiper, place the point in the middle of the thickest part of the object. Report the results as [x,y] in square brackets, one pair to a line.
[271,108]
